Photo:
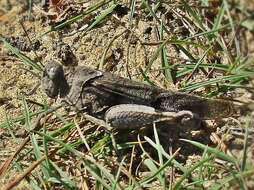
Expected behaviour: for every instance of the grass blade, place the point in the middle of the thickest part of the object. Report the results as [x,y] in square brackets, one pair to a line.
[76,18]
[162,168]
[164,60]
[220,80]
[226,180]
[188,173]
[214,151]
[63,178]
[246,136]
[101,17]
[132,9]
[196,18]
[26,60]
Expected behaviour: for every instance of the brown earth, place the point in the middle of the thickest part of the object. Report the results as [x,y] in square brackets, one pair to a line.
[114,46]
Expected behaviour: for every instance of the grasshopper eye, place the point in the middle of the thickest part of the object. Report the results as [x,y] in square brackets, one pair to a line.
[54,71]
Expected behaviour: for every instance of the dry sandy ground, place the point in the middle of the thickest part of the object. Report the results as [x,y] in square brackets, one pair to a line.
[111,45]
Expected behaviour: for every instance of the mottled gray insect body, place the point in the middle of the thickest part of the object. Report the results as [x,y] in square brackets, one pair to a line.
[123,102]
[80,78]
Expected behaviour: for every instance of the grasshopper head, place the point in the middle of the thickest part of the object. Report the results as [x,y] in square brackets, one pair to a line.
[53,80]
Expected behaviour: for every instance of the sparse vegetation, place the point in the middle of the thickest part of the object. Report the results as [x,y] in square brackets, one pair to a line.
[199,47]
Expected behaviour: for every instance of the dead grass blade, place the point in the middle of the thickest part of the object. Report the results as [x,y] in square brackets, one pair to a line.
[6,165]
[20,177]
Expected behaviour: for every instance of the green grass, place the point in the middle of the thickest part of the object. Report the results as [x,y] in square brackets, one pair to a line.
[58,142]
[59,157]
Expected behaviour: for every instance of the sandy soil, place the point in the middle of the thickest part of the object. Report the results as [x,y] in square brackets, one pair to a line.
[112,46]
